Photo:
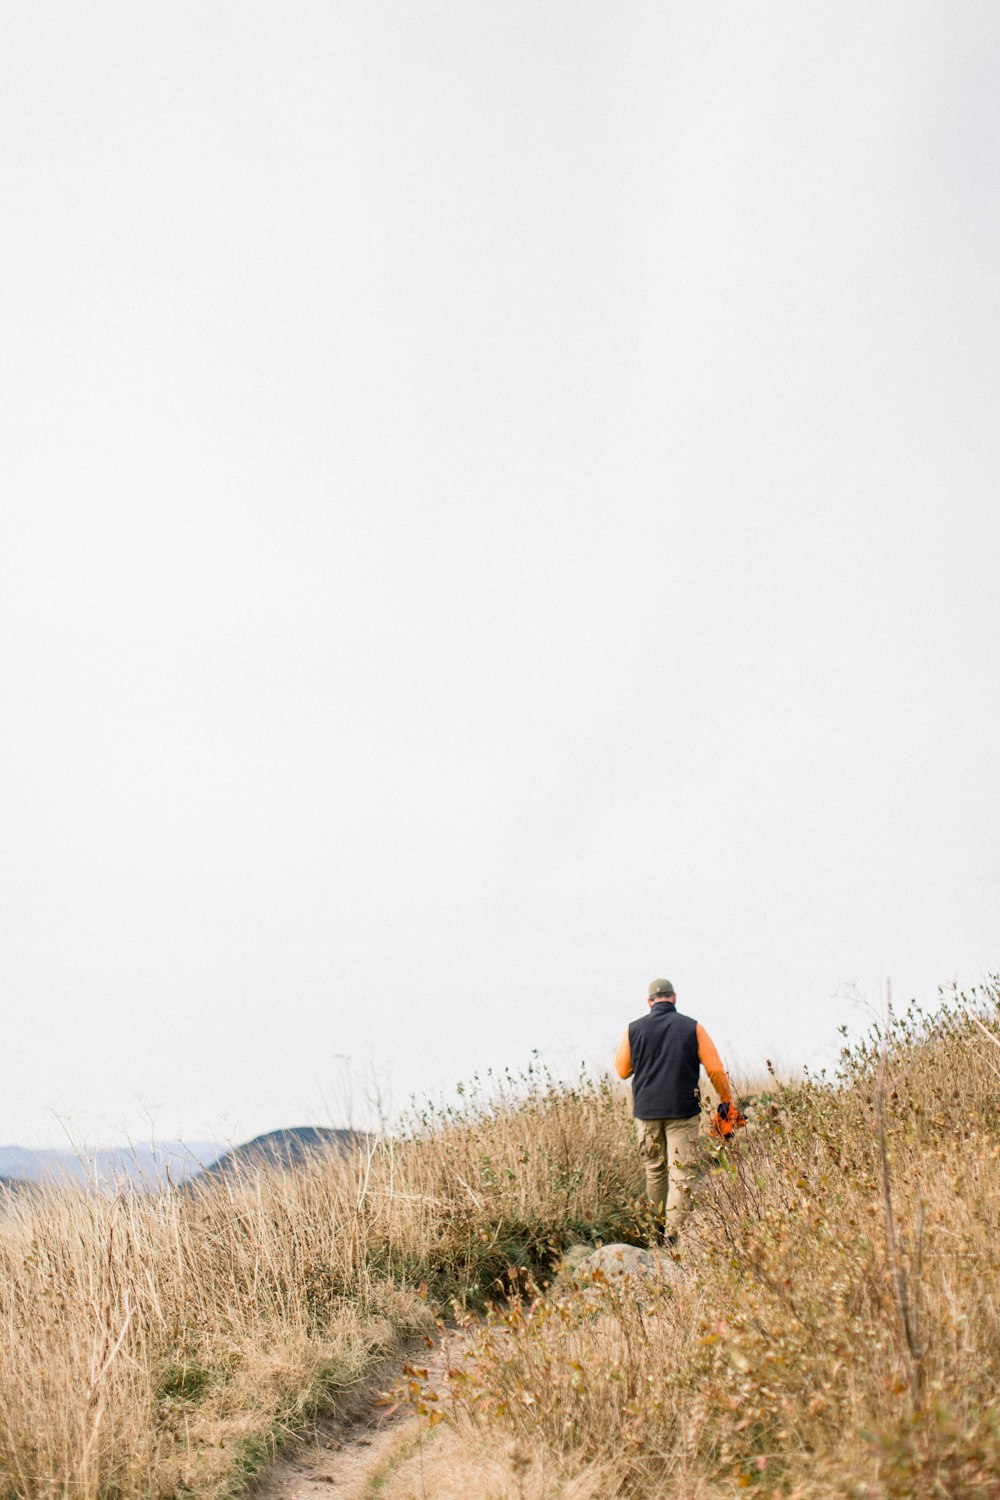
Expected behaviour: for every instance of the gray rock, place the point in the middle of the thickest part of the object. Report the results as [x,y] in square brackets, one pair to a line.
[618,1261]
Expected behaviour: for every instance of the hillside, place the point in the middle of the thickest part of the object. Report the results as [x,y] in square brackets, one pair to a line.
[292,1147]
[836,1331]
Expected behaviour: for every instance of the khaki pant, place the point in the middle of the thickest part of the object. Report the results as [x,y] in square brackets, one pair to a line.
[669,1150]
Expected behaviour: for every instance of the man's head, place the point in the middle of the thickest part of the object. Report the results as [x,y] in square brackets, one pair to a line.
[661,989]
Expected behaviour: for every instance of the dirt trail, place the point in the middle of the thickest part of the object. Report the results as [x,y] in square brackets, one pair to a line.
[343,1451]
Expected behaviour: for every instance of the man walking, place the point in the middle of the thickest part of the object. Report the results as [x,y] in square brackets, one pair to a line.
[662,1053]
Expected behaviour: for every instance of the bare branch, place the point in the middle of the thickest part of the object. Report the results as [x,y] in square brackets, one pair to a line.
[985,1030]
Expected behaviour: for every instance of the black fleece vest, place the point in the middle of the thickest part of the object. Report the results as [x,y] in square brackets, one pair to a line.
[665,1067]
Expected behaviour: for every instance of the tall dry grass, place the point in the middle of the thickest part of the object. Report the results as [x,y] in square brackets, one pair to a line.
[157,1345]
[838,1333]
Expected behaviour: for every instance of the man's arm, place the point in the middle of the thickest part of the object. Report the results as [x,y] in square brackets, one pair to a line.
[623,1058]
[712,1063]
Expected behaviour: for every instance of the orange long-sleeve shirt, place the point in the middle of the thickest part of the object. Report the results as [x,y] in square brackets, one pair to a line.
[707,1056]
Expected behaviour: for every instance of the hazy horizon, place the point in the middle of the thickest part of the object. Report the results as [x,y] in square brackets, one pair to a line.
[501,504]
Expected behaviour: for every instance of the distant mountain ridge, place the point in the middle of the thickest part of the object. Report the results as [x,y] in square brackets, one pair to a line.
[141,1167]
[286,1148]
[147,1168]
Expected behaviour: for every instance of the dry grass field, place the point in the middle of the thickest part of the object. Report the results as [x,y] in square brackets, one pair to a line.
[160,1345]
[838,1333]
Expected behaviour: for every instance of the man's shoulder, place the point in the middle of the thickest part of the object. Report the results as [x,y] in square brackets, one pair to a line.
[678,1018]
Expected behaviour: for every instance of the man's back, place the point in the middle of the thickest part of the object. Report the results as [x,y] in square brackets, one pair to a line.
[663,1047]
[668,1051]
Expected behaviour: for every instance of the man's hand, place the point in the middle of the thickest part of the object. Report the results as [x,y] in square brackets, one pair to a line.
[726,1121]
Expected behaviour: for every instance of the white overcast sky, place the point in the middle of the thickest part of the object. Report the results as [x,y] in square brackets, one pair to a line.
[500,502]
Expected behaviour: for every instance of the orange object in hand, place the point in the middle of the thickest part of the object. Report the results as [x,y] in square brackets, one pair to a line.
[726,1121]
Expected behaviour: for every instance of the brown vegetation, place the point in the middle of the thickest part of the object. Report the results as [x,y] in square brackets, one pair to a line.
[838,1333]
[159,1344]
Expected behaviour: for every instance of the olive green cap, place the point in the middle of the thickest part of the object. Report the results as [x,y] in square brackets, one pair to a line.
[662,987]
